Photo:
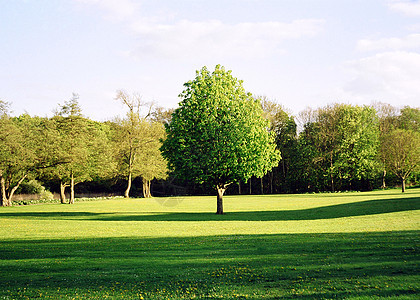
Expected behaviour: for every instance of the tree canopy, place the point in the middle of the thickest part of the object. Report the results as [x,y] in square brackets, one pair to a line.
[218,134]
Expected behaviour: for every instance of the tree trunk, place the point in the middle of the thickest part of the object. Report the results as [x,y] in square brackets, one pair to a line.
[3,192]
[403,185]
[262,186]
[63,192]
[130,173]
[4,201]
[284,169]
[71,201]
[220,191]
[127,191]
[383,179]
[332,176]
[250,186]
[271,182]
[146,189]
[239,187]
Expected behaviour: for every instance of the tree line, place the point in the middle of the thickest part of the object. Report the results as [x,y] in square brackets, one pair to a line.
[334,148]
[69,149]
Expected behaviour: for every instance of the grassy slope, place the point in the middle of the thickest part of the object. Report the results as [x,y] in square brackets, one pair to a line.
[359,245]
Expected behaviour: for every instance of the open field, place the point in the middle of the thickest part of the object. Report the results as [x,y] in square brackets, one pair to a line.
[323,246]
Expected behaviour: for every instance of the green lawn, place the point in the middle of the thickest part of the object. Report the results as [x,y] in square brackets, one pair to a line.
[322,246]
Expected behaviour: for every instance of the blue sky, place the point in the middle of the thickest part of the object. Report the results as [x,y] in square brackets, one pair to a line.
[297,53]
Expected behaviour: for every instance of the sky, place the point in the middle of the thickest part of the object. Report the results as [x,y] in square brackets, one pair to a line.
[306,53]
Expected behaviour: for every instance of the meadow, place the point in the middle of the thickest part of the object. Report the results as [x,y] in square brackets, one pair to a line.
[311,246]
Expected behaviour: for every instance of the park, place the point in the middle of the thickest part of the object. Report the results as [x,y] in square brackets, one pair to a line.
[210,149]
[310,246]
[345,225]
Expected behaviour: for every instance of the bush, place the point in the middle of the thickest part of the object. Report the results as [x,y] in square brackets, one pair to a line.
[32,187]
[45,195]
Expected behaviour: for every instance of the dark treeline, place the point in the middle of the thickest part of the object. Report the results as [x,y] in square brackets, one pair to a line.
[335,148]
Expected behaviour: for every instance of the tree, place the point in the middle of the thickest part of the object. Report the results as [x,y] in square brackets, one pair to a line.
[284,127]
[401,152]
[388,121]
[82,147]
[343,141]
[137,142]
[4,108]
[162,115]
[218,134]
[25,149]
[409,118]
[151,163]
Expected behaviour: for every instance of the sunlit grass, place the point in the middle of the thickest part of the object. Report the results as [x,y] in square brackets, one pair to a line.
[347,245]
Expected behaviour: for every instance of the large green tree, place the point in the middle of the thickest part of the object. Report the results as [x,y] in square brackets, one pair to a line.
[218,134]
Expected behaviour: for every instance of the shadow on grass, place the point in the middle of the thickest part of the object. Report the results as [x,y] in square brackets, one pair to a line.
[307,266]
[370,207]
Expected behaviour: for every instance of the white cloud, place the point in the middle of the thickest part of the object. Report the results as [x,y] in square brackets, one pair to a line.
[163,36]
[214,38]
[389,76]
[117,10]
[410,42]
[407,7]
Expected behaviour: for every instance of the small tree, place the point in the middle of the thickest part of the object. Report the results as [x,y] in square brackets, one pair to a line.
[151,164]
[218,134]
[137,142]
[400,150]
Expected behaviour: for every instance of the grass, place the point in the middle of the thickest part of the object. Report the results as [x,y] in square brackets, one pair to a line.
[323,246]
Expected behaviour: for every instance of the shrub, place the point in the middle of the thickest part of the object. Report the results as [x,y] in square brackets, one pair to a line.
[31,187]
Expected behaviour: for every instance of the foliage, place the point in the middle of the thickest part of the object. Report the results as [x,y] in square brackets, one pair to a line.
[26,149]
[218,135]
[83,146]
[342,143]
[400,150]
[283,125]
[4,108]
[137,142]
[30,187]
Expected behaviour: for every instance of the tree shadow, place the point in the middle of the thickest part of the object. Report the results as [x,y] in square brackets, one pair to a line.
[119,267]
[371,207]
[53,215]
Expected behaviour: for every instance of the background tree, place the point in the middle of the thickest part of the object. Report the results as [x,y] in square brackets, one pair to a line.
[137,142]
[76,136]
[25,149]
[342,141]
[162,115]
[387,117]
[409,118]
[284,127]
[401,151]
[218,134]
[151,164]
[4,108]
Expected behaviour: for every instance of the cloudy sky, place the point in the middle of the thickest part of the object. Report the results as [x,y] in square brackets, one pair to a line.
[298,53]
